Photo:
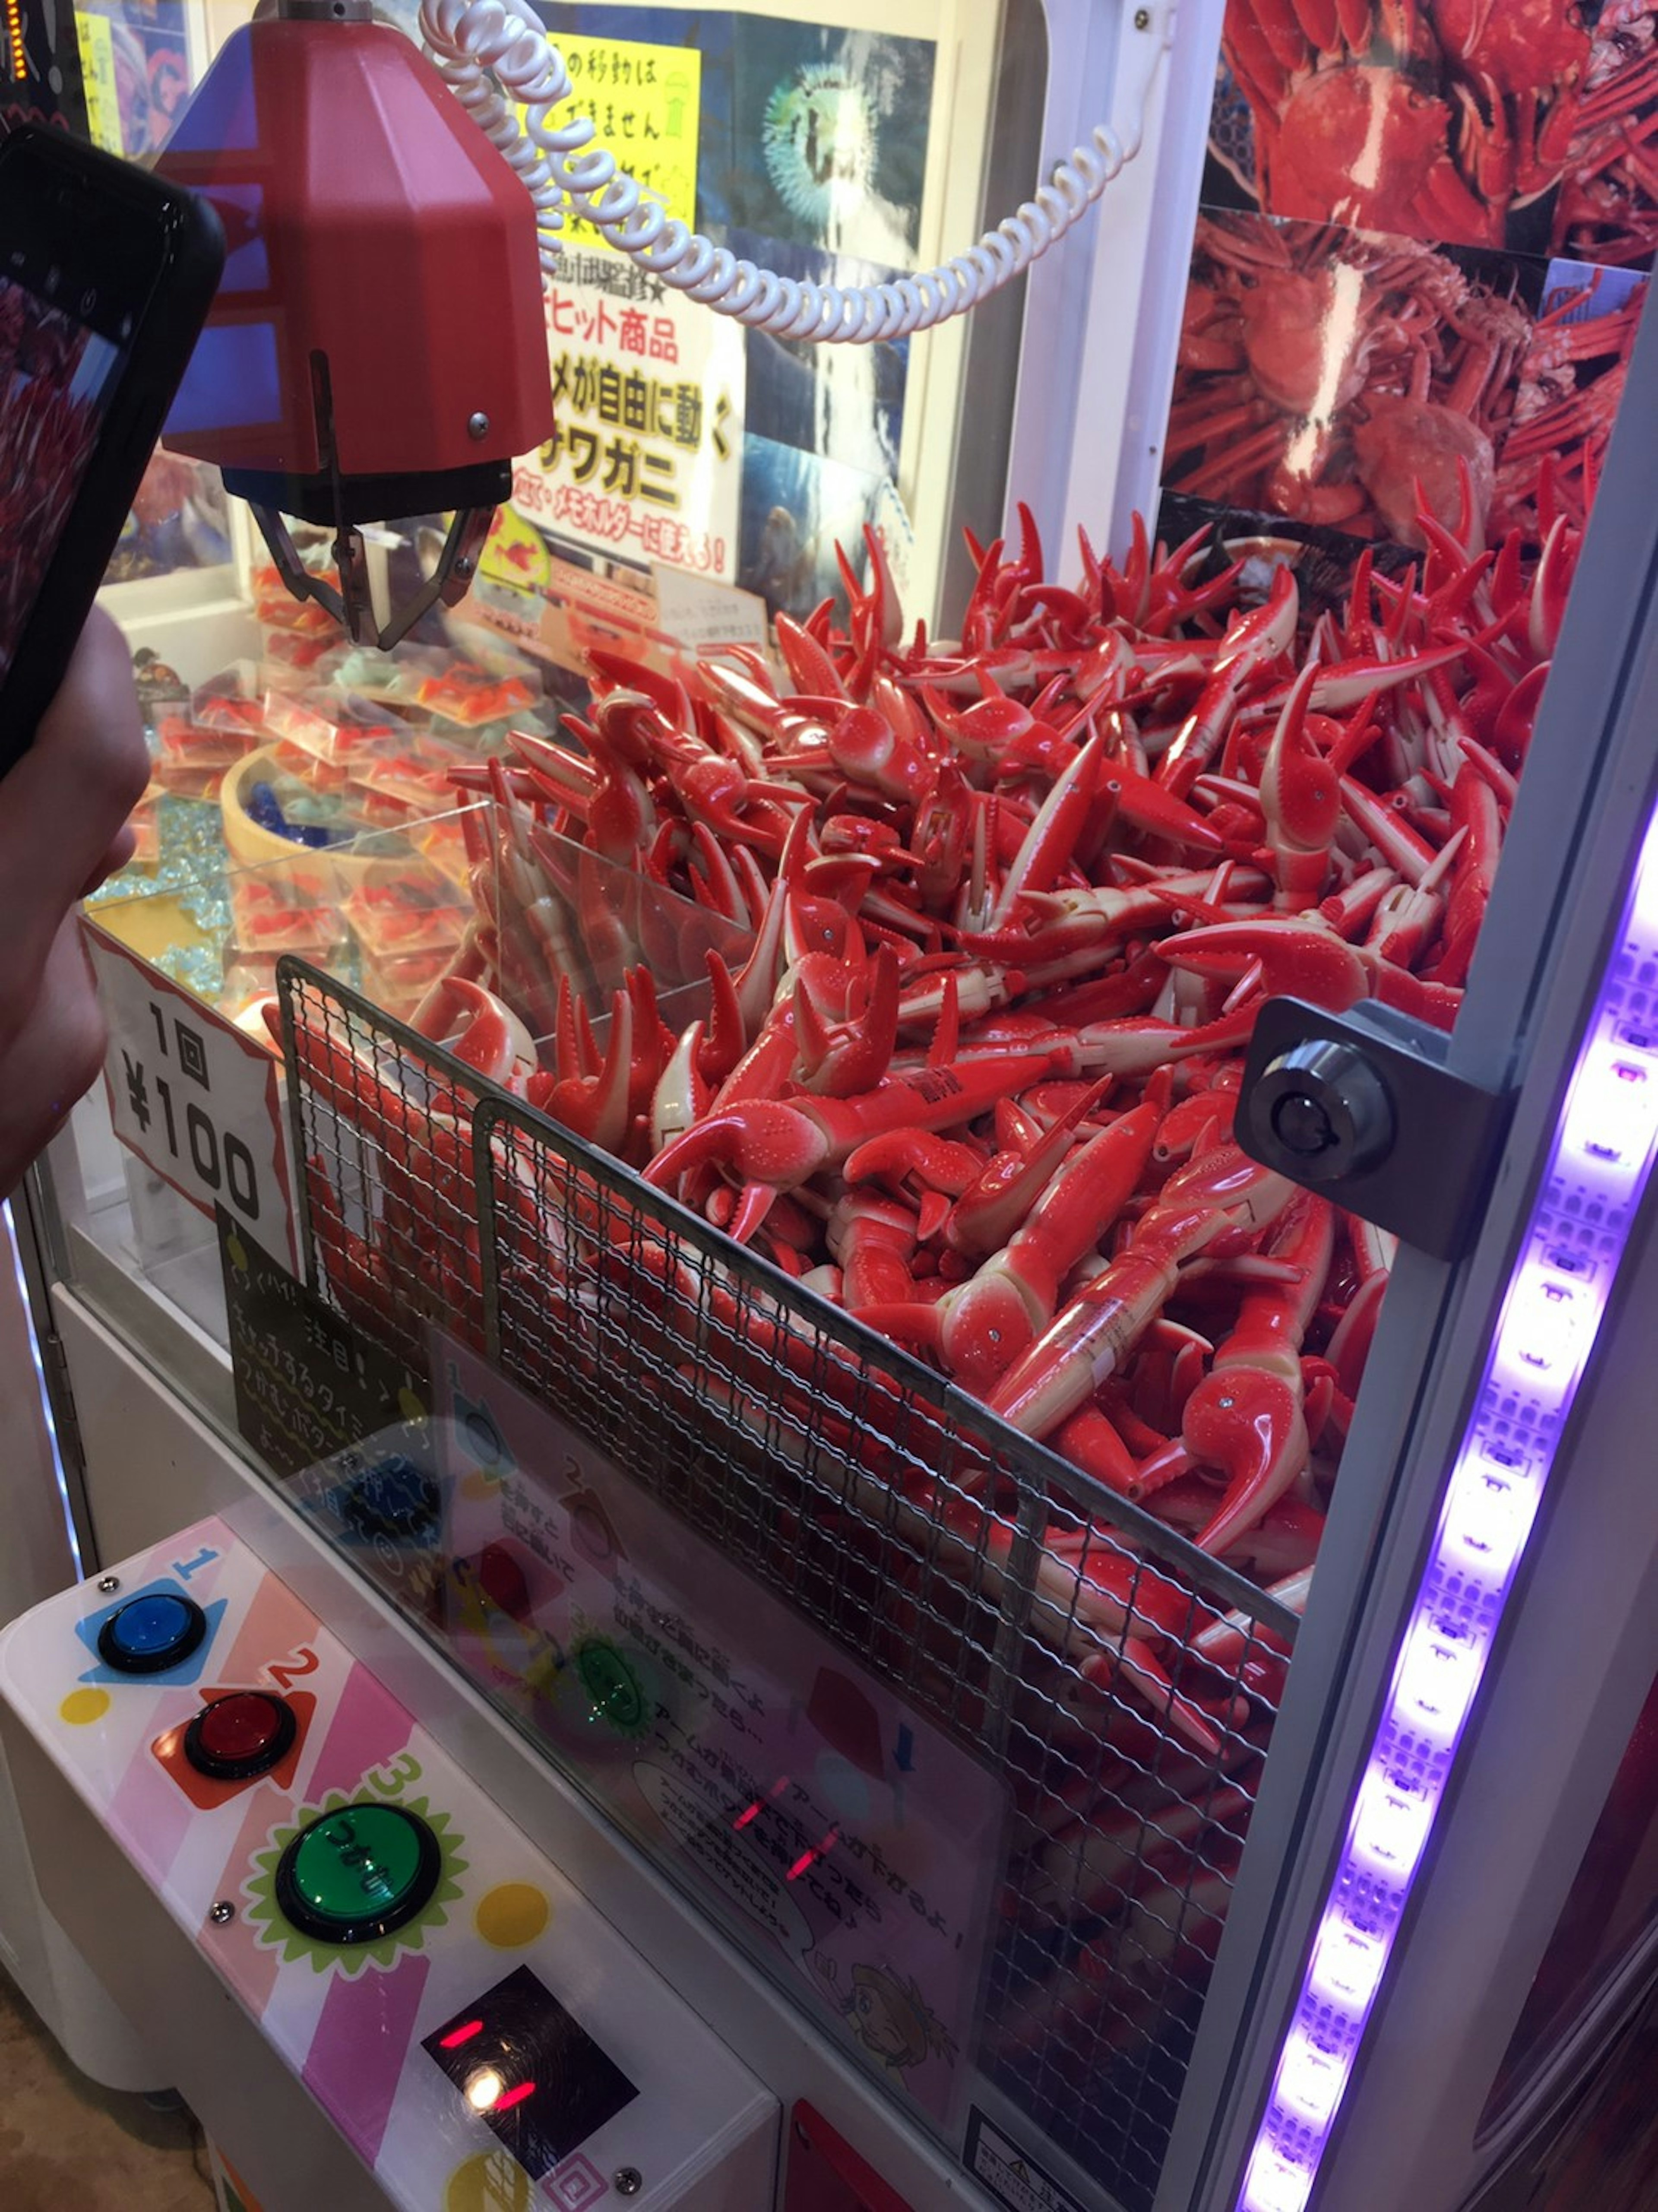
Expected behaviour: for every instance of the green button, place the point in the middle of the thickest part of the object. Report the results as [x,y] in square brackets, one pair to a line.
[357,1874]
[613,1686]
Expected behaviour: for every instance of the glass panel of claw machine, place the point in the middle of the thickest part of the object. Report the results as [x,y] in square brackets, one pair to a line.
[1070,1523]
[698,483]
[1006,1516]
[699,480]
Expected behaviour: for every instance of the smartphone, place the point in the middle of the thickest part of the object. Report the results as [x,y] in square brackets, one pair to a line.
[106,278]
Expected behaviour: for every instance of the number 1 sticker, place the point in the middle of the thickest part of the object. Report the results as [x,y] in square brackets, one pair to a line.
[195,1099]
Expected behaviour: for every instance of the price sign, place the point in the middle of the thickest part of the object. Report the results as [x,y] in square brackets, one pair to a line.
[309,1385]
[195,1099]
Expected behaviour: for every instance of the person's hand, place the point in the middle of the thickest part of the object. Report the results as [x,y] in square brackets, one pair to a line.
[62,816]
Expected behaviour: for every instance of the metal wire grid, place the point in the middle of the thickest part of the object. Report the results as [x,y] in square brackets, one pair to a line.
[381,1123]
[986,1580]
[1121,1684]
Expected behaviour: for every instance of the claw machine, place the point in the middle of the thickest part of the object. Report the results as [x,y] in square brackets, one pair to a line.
[847,1352]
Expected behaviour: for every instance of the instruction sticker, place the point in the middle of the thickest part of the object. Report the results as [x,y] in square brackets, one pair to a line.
[1012,2178]
[854,1844]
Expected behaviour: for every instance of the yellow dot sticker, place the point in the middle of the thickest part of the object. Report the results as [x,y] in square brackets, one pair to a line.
[513,1915]
[490,2182]
[82,1707]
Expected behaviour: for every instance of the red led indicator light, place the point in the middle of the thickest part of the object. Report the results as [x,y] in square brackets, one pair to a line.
[463,2035]
[511,2097]
[743,1819]
[806,1858]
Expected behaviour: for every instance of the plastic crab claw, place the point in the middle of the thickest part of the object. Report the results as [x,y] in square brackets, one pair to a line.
[867,749]
[1007,1188]
[1551,588]
[1343,684]
[978,1328]
[1210,1203]
[681,1094]
[811,669]
[1302,798]
[1350,1343]
[840,1057]
[764,1140]
[933,1166]
[595,1107]
[475,1025]
[1248,1424]
[665,693]
[1252,642]
[1146,806]
[1051,840]
[1137,1663]
[1311,964]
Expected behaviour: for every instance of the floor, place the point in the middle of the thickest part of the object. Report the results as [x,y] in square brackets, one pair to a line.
[67,2146]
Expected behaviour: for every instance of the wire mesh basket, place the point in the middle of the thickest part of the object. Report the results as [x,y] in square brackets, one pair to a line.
[1121,1685]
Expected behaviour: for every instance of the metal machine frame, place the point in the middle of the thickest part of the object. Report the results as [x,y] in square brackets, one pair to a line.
[1513,1843]
[1580,1650]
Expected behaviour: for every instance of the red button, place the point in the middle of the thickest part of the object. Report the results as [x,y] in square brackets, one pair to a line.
[241,1736]
[241,1726]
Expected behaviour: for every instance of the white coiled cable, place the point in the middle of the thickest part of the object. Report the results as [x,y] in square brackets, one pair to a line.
[492,55]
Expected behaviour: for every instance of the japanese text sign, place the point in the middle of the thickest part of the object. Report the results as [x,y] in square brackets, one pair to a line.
[195,1099]
[646,455]
[851,1840]
[307,1385]
[645,104]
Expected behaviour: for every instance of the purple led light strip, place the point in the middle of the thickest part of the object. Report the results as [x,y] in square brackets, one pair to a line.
[1546,1328]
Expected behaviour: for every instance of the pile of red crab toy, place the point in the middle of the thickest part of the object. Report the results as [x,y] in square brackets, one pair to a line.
[1015,903]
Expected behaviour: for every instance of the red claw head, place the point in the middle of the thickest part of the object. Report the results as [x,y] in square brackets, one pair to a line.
[477,1028]
[1248,1425]
[1283,959]
[867,748]
[1299,791]
[761,1141]
[986,1325]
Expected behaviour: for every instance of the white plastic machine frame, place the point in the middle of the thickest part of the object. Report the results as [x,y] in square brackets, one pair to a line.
[1579,1646]
[1572,1655]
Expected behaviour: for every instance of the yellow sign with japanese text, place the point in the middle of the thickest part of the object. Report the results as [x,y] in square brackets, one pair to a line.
[97,46]
[645,103]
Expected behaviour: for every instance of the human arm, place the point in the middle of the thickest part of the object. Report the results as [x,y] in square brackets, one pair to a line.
[63,814]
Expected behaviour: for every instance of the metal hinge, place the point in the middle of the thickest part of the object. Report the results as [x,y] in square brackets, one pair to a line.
[1361,1108]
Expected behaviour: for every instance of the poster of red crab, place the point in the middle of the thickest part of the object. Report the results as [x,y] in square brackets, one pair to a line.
[1528,123]
[1416,275]
[1570,387]
[1325,374]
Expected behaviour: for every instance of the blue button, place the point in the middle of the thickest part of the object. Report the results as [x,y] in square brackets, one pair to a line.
[151,1634]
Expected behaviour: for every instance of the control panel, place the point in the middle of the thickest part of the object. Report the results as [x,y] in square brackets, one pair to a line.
[455,2007]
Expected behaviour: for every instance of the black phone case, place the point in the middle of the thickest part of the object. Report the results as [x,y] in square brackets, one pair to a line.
[165,337]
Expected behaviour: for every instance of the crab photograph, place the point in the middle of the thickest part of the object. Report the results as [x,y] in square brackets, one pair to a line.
[1348,379]
[1524,124]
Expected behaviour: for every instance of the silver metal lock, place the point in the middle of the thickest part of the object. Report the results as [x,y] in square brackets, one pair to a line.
[1328,1107]
[1362,1107]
